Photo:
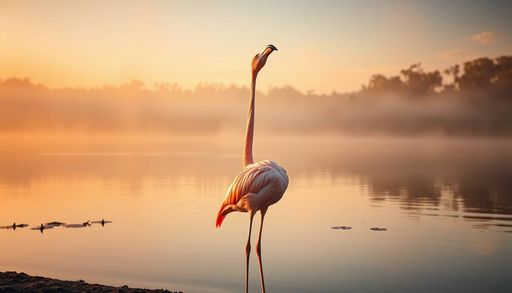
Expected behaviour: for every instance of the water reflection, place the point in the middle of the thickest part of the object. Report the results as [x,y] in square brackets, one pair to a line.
[458,178]
[463,179]
[475,186]
[444,210]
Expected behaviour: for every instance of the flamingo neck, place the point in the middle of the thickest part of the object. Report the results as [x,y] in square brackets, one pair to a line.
[249,131]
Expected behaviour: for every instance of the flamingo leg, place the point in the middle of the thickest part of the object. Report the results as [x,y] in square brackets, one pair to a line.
[258,251]
[247,253]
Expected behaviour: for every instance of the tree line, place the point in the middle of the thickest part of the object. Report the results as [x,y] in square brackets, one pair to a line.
[492,76]
[474,98]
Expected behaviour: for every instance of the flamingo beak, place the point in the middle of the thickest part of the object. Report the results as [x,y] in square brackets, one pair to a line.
[274,48]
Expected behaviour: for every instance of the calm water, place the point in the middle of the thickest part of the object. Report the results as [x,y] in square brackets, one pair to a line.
[447,208]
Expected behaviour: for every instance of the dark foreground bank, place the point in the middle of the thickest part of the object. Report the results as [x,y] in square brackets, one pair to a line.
[21,282]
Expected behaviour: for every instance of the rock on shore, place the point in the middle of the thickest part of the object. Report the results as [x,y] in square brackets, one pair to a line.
[21,282]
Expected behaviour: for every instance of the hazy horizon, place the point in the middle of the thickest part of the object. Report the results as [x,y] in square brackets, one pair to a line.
[469,99]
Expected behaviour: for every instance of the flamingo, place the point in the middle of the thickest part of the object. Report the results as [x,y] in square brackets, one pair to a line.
[259,184]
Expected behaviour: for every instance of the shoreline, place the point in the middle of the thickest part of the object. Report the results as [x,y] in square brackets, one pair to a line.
[21,282]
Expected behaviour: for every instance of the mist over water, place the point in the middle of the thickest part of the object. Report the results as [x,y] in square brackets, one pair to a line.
[445,205]
[472,100]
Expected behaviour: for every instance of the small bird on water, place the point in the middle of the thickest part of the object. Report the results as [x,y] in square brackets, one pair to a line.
[14,226]
[42,227]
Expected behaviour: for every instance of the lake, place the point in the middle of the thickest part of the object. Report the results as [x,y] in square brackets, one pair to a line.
[446,206]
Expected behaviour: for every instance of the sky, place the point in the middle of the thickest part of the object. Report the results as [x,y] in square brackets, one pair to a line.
[324,46]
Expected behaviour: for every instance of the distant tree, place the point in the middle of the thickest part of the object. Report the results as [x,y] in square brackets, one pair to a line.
[381,83]
[419,82]
[503,79]
[478,74]
[454,72]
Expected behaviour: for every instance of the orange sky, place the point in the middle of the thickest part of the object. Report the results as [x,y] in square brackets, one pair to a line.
[324,46]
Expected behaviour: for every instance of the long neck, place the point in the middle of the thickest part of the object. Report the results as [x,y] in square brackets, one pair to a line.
[249,131]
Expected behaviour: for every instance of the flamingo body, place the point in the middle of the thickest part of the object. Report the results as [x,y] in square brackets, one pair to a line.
[255,188]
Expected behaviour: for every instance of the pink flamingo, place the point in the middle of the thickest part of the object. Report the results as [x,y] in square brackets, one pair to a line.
[258,185]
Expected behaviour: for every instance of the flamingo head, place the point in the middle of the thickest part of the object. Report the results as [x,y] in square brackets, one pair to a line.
[261,58]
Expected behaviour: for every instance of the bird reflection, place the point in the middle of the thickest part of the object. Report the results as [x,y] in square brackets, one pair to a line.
[350,228]
[84,224]
[14,226]
[55,224]
[341,227]
[102,222]
[51,225]
[42,227]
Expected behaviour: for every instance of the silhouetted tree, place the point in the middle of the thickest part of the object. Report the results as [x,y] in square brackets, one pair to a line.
[419,82]
[454,72]
[478,74]
[503,79]
[381,83]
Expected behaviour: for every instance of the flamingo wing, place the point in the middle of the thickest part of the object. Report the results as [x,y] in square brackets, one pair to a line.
[251,180]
